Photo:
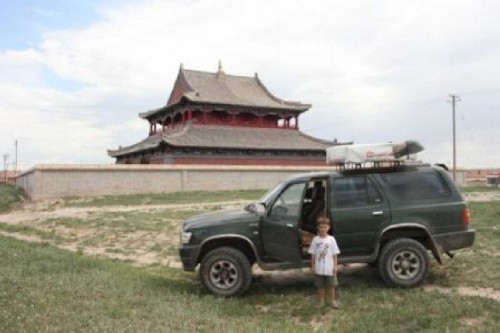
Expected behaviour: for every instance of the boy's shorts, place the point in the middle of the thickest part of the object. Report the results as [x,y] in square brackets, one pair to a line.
[325,281]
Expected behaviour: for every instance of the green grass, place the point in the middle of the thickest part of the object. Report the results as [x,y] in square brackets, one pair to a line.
[476,266]
[9,197]
[170,198]
[158,220]
[30,231]
[46,289]
[468,189]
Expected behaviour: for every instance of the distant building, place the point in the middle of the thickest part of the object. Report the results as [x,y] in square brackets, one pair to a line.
[215,118]
[480,175]
[8,177]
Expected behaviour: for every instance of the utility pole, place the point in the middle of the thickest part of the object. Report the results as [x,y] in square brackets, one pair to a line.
[454,100]
[5,157]
[15,161]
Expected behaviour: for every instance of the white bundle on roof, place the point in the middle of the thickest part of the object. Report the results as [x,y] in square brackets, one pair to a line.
[379,152]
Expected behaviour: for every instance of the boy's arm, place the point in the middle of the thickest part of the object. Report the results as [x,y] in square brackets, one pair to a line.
[313,260]
[335,257]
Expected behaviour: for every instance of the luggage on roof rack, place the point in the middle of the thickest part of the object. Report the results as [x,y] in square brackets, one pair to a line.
[373,155]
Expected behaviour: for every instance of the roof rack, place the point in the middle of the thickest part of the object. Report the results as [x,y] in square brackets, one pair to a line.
[370,156]
[378,165]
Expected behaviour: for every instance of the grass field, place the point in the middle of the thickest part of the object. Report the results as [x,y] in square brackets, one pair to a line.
[46,288]
[172,198]
[9,197]
[468,189]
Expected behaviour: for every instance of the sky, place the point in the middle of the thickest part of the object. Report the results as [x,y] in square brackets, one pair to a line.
[74,75]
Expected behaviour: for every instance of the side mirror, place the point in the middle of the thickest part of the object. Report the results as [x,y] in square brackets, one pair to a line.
[260,209]
[256,208]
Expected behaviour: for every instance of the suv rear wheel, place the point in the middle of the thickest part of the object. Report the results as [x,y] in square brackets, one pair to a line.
[403,262]
[226,271]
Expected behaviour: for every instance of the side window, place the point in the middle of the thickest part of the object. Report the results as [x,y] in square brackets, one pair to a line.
[416,185]
[356,191]
[288,204]
[374,196]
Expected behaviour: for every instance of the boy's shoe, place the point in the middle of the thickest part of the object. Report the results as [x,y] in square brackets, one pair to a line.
[320,305]
[333,305]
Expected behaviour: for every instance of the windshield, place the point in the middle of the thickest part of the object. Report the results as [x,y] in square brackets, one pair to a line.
[266,198]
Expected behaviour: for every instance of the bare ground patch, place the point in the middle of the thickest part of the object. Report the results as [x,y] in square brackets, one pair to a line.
[67,228]
[482,196]
[32,212]
[467,291]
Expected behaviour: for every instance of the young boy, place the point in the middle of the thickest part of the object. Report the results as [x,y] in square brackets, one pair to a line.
[324,251]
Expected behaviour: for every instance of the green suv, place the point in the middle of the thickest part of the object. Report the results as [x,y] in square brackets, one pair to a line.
[389,217]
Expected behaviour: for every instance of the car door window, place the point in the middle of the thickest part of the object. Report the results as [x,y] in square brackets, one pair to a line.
[288,204]
[357,191]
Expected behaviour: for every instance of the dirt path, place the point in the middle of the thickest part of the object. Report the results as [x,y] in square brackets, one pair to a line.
[30,212]
[467,291]
[140,247]
[482,196]
[355,274]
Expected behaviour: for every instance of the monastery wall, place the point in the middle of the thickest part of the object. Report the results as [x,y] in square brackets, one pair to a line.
[44,182]
[58,181]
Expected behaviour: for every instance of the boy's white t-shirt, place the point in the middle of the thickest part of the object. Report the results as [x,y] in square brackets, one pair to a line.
[323,250]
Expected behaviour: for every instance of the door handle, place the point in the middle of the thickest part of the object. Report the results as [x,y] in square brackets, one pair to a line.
[289,225]
[378,213]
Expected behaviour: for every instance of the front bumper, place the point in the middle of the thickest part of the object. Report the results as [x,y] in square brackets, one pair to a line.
[455,240]
[189,254]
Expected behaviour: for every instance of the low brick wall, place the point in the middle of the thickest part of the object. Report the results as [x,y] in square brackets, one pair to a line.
[58,181]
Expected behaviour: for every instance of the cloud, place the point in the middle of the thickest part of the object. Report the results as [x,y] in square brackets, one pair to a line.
[374,72]
[42,12]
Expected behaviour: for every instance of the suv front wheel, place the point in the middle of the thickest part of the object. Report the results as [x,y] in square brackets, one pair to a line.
[403,262]
[226,271]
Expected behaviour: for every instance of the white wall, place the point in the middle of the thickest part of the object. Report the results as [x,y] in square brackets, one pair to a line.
[58,181]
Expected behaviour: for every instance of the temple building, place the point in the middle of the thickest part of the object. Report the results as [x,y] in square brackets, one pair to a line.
[216,118]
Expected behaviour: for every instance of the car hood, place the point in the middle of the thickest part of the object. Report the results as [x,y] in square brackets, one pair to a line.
[219,218]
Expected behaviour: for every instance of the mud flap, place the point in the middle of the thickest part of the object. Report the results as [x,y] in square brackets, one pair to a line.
[436,253]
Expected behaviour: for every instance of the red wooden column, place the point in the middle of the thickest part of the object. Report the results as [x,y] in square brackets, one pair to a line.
[205,119]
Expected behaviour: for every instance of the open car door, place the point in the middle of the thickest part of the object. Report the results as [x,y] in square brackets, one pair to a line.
[280,226]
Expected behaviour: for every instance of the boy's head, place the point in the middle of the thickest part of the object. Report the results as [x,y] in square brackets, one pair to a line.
[323,224]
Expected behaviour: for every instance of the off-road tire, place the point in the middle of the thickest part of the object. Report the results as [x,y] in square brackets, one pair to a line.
[226,272]
[403,262]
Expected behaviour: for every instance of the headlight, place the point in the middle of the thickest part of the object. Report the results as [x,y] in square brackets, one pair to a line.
[186,237]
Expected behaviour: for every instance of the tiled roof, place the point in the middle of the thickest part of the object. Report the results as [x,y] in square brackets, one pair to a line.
[221,88]
[229,137]
[148,143]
